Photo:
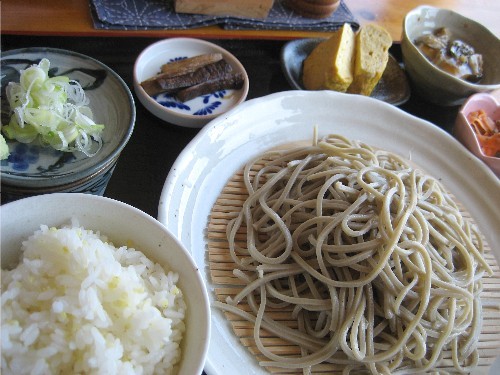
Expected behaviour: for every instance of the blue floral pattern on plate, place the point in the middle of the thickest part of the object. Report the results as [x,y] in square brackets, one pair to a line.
[210,103]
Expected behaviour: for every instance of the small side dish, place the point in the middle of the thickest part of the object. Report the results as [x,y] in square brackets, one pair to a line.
[348,62]
[458,70]
[392,87]
[189,82]
[60,107]
[477,127]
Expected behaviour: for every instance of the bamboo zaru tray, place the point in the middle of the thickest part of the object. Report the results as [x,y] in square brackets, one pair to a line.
[226,284]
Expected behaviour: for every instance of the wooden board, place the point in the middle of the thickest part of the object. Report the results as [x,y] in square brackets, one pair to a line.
[226,284]
[237,8]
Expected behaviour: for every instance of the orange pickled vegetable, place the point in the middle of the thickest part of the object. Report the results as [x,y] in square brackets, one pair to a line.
[487,132]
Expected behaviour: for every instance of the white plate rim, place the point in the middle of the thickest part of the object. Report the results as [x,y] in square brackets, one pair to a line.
[192,187]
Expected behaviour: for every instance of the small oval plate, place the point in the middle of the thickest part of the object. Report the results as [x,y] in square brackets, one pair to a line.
[392,88]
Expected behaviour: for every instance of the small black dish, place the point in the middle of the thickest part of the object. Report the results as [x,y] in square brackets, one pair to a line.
[392,88]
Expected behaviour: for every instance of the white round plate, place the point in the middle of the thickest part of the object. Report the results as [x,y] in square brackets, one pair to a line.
[225,144]
[194,113]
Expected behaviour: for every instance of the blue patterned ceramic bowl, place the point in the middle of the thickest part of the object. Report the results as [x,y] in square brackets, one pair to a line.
[196,112]
[32,169]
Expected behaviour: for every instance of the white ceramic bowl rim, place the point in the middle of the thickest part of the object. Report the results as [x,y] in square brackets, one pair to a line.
[417,12]
[58,180]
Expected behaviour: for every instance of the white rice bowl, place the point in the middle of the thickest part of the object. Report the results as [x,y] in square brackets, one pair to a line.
[79,302]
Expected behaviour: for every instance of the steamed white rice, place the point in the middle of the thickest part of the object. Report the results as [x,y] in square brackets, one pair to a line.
[76,304]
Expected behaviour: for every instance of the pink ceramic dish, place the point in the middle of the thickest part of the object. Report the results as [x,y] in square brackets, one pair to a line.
[490,104]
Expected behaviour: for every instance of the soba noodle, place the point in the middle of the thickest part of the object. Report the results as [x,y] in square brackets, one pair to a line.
[374,258]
